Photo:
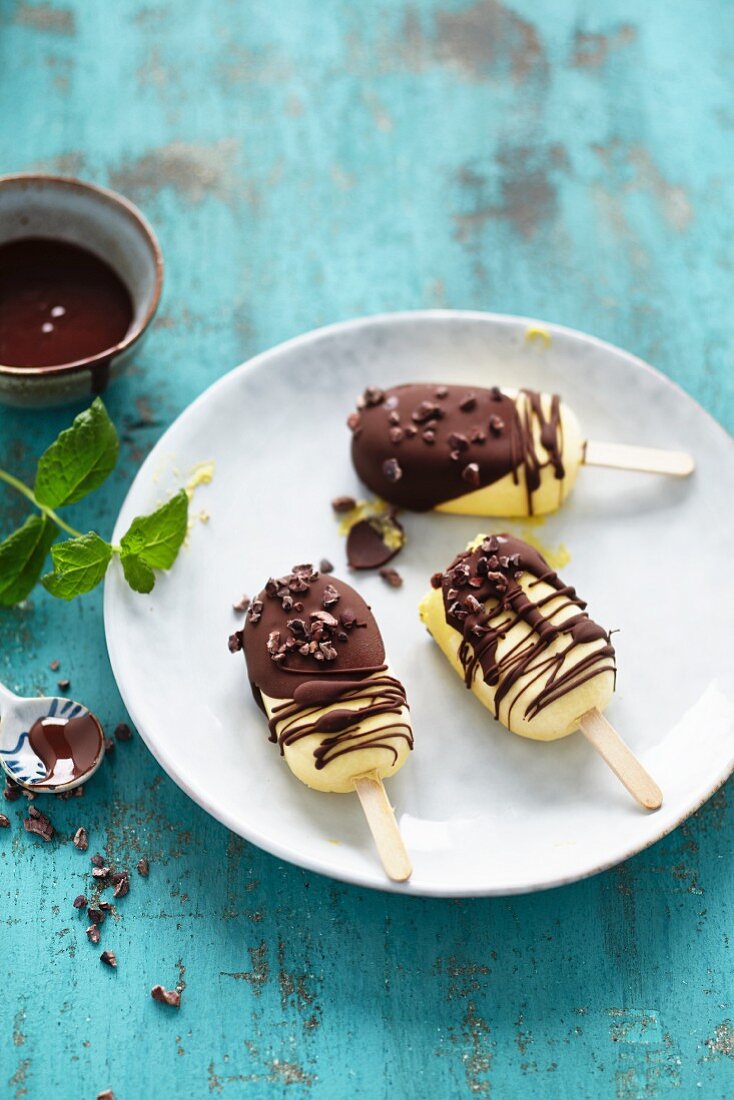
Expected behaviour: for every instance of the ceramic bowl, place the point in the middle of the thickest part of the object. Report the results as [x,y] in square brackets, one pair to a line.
[104,223]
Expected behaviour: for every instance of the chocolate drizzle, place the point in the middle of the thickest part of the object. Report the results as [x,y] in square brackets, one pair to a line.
[484,600]
[466,440]
[310,643]
[68,747]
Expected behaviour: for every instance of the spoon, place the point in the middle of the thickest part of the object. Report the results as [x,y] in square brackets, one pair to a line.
[49,744]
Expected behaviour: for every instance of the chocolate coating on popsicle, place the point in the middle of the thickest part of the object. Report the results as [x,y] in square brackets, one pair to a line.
[492,573]
[421,444]
[312,641]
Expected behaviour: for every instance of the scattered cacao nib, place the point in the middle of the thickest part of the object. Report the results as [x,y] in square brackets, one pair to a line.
[4,821]
[234,641]
[55,666]
[143,867]
[109,746]
[455,456]
[441,392]
[476,435]
[428,436]
[330,596]
[100,872]
[396,435]
[242,604]
[122,884]
[108,1094]
[410,431]
[458,442]
[468,403]
[436,580]
[348,619]
[353,421]
[96,916]
[96,860]
[392,577]
[75,792]
[496,424]
[12,791]
[495,393]
[123,732]
[64,685]
[393,418]
[368,542]
[426,411]
[325,566]
[93,933]
[255,612]
[80,901]
[109,958]
[373,395]
[38,823]
[166,996]
[391,469]
[470,474]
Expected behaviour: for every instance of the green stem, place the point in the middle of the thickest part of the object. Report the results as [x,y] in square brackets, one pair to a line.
[29,495]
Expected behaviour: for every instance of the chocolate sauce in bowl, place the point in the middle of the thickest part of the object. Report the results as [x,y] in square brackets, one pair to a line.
[68,747]
[59,303]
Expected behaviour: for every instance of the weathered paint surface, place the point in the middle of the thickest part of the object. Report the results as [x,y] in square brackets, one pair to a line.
[303,162]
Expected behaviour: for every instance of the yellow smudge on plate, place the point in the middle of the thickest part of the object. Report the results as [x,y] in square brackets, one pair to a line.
[201,474]
[536,333]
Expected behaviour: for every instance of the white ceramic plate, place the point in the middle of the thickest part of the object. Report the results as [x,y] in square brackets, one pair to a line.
[482,811]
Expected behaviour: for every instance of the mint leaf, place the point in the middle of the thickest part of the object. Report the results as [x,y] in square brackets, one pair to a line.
[22,555]
[79,565]
[79,460]
[138,575]
[156,539]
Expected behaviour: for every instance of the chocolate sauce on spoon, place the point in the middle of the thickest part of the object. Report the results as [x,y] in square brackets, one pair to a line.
[68,747]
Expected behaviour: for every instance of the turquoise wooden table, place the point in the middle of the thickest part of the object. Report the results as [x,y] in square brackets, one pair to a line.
[305,162]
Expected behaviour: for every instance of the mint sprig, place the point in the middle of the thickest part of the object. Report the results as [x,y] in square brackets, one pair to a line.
[78,462]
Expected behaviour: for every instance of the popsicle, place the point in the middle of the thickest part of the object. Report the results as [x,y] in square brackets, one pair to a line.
[317,667]
[523,643]
[485,452]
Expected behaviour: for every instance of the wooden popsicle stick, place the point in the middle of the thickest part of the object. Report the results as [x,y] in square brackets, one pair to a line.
[384,827]
[620,759]
[648,460]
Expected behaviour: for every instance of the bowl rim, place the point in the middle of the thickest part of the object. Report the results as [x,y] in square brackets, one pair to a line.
[113,198]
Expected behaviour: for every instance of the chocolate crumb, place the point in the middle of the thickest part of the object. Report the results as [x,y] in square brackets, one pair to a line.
[108,1094]
[4,821]
[96,860]
[242,604]
[81,839]
[75,792]
[123,732]
[325,566]
[93,933]
[110,958]
[343,504]
[55,666]
[392,577]
[105,905]
[64,685]
[436,580]
[109,746]
[38,823]
[166,996]
[80,901]
[96,916]
[12,791]
[122,885]
[234,641]
[143,867]
[470,474]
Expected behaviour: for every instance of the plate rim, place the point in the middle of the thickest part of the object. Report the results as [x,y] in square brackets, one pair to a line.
[284,851]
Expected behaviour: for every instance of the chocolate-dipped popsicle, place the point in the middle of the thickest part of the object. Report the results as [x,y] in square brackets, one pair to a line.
[523,642]
[478,451]
[317,667]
